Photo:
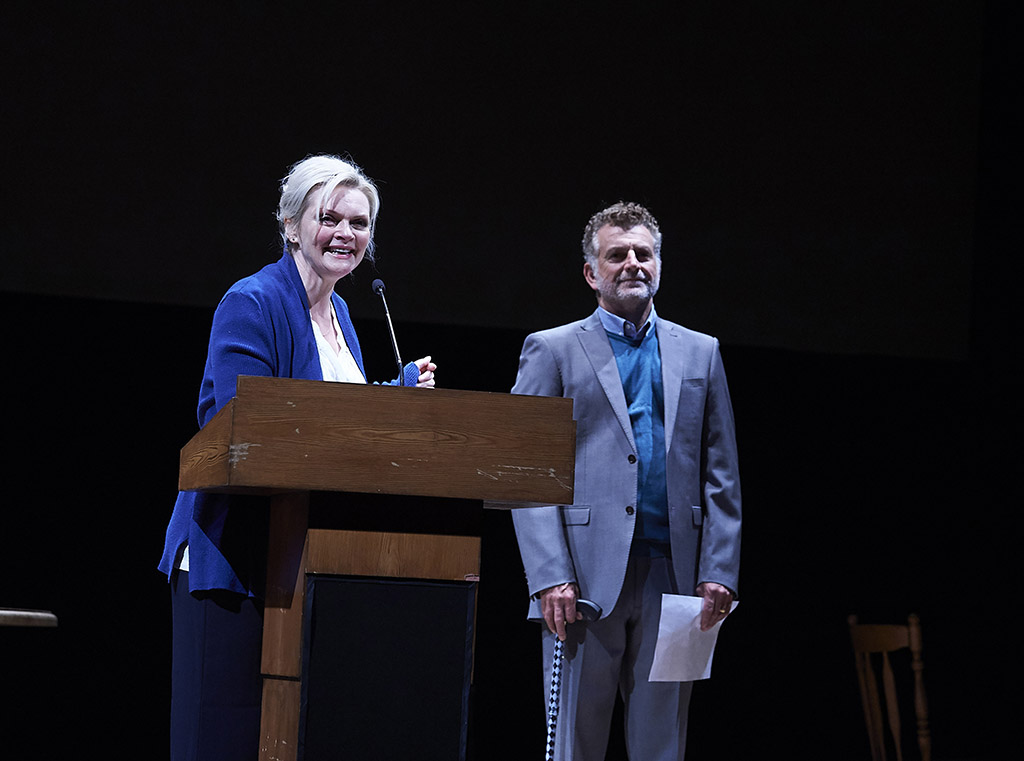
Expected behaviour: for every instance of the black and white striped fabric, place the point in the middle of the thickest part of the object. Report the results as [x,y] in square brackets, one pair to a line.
[554,698]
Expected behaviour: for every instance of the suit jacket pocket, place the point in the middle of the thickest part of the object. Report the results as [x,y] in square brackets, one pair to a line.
[576,516]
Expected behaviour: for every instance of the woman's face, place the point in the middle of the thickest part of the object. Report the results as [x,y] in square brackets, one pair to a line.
[329,243]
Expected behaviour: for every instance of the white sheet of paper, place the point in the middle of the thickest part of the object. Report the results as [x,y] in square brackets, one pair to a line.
[683,652]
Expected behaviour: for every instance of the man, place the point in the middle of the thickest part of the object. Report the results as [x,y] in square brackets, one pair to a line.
[657,495]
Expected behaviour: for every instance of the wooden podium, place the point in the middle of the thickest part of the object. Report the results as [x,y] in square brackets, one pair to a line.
[291,439]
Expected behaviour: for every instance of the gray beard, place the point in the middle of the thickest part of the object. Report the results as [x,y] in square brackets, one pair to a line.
[610,290]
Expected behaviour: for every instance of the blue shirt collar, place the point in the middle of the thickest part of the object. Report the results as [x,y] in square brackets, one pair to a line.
[617,325]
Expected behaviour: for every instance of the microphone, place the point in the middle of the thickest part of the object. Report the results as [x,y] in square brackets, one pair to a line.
[378,288]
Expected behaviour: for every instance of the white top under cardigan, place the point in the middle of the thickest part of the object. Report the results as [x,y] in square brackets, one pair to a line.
[336,366]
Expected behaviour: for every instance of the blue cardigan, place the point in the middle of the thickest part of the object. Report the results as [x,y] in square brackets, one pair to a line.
[261,327]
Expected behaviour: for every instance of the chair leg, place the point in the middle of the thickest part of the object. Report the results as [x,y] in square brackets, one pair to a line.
[924,739]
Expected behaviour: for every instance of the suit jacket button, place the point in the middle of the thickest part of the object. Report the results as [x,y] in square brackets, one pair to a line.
[631,458]
[629,509]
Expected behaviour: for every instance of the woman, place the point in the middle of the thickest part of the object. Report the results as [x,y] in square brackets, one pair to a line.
[284,321]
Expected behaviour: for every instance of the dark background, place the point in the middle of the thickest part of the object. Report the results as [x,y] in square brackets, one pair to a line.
[836,186]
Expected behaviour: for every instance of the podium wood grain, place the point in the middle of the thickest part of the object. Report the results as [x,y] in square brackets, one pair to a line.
[297,435]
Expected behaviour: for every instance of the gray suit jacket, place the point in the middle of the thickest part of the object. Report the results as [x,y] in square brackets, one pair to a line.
[588,542]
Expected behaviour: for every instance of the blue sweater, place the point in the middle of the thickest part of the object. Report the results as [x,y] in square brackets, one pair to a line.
[639,364]
[261,327]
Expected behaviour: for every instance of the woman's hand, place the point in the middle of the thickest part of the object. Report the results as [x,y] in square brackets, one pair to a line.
[427,368]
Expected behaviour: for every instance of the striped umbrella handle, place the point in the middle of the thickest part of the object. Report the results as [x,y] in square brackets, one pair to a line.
[553,699]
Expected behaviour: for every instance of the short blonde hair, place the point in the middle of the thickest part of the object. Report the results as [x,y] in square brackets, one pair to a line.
[324,173]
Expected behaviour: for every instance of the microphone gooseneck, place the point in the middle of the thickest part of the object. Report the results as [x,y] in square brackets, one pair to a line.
[378,288]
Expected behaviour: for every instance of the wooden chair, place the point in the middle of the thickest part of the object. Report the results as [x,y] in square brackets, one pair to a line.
[872,646]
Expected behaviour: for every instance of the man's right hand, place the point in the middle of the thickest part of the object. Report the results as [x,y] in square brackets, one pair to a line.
[558,604]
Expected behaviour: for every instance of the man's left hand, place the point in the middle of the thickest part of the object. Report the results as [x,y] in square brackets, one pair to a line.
[717,603]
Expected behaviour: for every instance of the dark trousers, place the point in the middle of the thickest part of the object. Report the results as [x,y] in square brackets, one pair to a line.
[215,675]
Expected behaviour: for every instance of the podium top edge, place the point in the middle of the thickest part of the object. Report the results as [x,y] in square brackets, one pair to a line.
[248,383]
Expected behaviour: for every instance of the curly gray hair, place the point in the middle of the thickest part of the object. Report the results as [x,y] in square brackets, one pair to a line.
[624,214]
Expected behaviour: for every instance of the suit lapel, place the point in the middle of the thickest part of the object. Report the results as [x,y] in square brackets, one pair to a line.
[305,357]
[598,350]
[670,343]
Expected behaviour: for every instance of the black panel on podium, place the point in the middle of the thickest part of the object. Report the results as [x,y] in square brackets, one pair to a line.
[388,665]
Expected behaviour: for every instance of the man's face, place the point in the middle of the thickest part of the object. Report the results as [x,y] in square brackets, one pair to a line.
[627,273]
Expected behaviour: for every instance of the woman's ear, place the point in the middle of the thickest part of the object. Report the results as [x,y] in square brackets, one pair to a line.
[291,232]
